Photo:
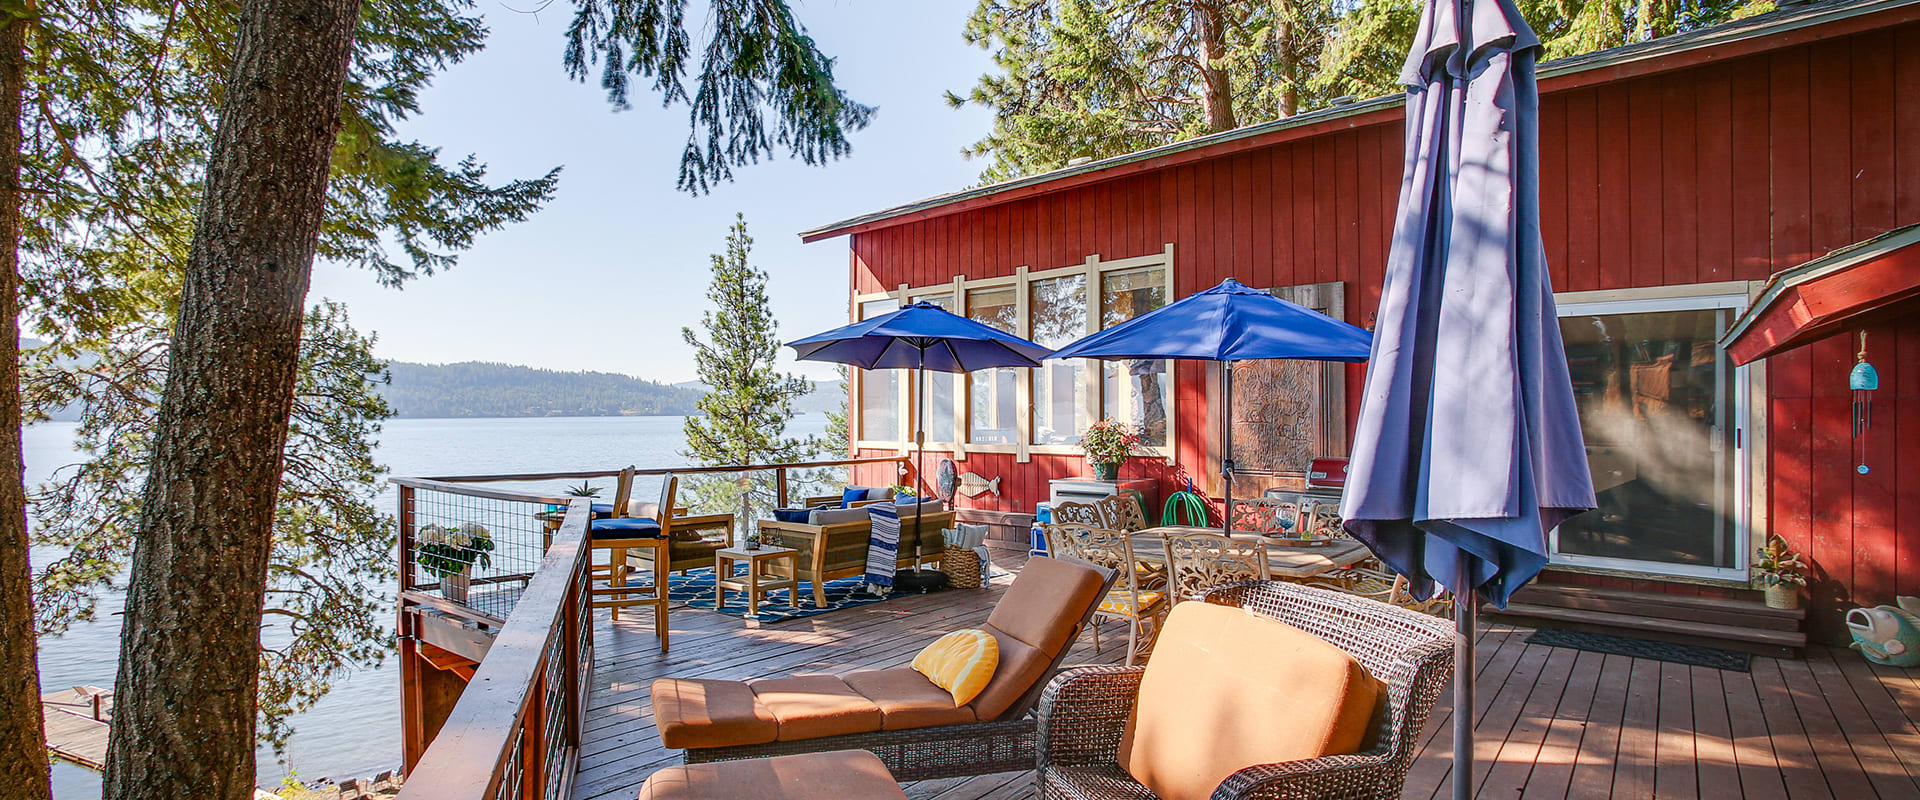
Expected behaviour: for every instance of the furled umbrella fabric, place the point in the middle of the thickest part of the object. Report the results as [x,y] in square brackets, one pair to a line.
[1468,437]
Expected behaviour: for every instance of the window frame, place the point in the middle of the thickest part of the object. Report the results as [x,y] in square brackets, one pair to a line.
[1023,449]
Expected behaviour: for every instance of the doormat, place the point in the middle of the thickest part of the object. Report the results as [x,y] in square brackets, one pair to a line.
[1690,654]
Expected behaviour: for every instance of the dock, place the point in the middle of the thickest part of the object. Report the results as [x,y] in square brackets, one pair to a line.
[77,721]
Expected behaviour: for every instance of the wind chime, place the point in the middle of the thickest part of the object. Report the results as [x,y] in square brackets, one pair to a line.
[1863,380]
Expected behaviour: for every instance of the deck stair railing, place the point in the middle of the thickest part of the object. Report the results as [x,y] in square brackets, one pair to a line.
[496,653]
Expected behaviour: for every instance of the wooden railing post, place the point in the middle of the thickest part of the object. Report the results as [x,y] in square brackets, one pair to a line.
[779,488]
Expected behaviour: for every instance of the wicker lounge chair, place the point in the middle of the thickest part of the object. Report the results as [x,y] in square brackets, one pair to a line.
[1085,711]
[898,715]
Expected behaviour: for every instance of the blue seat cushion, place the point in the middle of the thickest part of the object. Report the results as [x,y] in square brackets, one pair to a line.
[602,510]
[624,528]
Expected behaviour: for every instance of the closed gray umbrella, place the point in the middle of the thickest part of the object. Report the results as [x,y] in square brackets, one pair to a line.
[1468,448]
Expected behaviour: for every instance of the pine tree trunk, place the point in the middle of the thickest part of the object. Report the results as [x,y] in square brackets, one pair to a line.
[184,712]
[1218,97]
[23,753]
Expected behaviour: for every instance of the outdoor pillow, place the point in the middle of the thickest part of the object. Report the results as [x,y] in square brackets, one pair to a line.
[1228,689]
[881,493]
[830,516]
[853,494]
[961,662]
[792,514]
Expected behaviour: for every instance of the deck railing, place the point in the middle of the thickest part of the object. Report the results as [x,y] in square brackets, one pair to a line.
[513,730]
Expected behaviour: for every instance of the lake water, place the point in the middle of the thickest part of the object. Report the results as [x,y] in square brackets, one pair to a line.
[355,730]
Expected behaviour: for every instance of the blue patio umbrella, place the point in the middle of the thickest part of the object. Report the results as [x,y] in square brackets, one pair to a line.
[1227,323]
[1468,447]
[920,337]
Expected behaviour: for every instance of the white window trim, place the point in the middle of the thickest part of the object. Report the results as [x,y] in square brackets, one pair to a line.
[1746,417]
[1021,280]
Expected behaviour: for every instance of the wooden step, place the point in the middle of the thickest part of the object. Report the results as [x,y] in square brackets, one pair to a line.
[1763,641]
[1627,602]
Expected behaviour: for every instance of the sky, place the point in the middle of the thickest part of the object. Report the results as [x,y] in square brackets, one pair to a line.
[605,276]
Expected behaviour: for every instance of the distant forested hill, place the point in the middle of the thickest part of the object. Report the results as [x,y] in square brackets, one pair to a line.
[485,389]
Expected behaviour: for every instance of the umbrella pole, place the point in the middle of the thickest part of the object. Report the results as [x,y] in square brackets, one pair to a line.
[1464,611]
[1226,460]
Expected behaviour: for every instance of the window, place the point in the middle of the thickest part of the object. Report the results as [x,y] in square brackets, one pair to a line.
[1661,408]
[940,428]
[1057,314]
[1044,409]
[1135,392]
[994,415]
[879,389]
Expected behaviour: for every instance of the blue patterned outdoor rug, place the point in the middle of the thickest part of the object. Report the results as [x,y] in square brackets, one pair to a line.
[695,590]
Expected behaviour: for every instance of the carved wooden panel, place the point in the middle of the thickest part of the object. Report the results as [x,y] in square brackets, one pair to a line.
[1285,413]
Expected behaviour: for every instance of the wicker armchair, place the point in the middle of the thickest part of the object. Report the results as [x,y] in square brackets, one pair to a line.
[1083,711]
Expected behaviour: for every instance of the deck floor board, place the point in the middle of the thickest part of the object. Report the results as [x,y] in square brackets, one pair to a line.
[1551,722]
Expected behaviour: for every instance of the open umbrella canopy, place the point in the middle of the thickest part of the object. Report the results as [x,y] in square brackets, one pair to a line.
[1229,322]
[1468,447]
[920,336]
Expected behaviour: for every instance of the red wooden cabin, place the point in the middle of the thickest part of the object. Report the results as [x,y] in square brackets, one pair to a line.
[1679,175]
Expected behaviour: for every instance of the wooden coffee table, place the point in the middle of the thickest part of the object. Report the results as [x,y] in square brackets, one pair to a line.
[758,580]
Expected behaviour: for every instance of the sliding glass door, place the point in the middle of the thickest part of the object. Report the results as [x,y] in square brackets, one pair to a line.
[1664,413]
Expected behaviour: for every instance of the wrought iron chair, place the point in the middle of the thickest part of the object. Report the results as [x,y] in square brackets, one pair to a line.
[1141,607]
[1197,562]
[1084,711]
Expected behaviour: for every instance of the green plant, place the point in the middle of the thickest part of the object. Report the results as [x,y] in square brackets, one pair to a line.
[585,489]
[1777,564]
[901,490]
[1109,442]
[447,551]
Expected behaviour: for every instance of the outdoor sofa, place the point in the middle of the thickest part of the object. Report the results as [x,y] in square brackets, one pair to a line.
[913,725]
[833,542]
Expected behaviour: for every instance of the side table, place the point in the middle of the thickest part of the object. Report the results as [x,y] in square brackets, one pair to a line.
[758,580]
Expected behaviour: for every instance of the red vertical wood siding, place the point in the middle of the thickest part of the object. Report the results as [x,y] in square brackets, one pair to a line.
[1730,170]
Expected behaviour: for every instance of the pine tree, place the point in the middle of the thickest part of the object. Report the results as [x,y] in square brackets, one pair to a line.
[744,416]
[1098,78]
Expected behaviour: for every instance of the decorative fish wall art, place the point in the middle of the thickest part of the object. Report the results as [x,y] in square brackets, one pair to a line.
[972,485]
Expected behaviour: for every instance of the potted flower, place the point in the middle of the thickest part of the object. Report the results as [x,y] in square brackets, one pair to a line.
[450,553]
[903,493]
[753,540]
[1780,572]
[1108,444]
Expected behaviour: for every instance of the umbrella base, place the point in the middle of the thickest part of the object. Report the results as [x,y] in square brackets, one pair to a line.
[919,580]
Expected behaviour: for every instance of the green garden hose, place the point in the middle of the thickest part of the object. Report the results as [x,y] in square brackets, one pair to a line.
[1184,508]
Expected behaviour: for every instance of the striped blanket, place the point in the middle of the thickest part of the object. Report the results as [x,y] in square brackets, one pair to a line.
[883,545]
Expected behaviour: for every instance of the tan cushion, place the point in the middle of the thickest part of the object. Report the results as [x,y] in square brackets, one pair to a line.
[1226,690]
[699,713]
[812,706]
[1021,666]
[1046,602]
[835,775]
[908,700]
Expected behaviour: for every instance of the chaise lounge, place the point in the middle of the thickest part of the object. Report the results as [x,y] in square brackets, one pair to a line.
[914,726]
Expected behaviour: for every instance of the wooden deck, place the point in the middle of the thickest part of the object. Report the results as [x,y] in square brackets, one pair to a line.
[1553,722]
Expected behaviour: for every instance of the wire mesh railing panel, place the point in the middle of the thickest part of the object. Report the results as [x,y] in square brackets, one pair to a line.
[558,708]
[476,551]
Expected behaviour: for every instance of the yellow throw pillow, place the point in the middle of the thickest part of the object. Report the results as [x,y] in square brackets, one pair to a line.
[960,662]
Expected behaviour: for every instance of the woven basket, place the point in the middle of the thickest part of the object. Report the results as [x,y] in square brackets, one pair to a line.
[962,566]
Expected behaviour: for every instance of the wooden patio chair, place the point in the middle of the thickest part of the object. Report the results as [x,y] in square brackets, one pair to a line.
[1197,562]
[1139,605]
[1090,715]
[620,535]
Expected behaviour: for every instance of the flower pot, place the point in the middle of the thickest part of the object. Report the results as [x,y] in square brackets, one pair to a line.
[753,544]
[1783,595]
[1106,471]
[454,587]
